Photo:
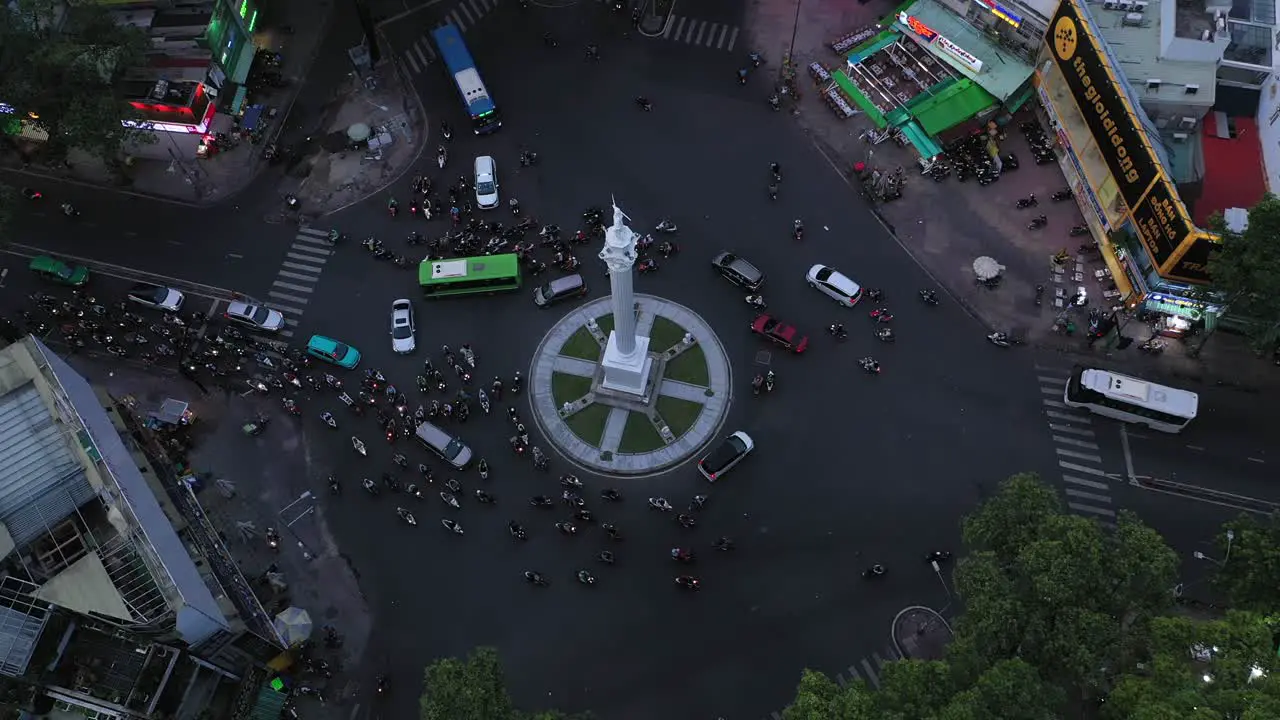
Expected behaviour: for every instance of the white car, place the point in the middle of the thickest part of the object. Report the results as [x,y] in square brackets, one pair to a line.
[833,284]
[257,317]
[156,296]
[486,183]
[402,330]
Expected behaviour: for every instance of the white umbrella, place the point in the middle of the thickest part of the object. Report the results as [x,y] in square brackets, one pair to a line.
[986,268]
[294,625]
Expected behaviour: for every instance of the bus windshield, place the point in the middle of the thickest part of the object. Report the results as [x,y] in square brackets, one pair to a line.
[1132,400]
[475,96]
[466,276]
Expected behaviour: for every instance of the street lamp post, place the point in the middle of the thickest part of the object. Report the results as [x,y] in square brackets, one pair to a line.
[791,49]
[1231,536]
[288,522]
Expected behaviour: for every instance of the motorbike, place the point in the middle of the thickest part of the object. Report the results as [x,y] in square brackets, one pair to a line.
[257,386]
[646,266]
[659,503]
[290,407]
[874,572]
[541,501]
[445,131]
[441,157]
[885,334]
[681,555]
[757,384]
[453,485]
[334,487]
[768,383]
[1039,294]
[567,528]
[1078,230]
[665,226]
[1026,202]
[606,557]
[406,516]
[449,499]
[570,481]
[687,582]
[586,578]
[756,59]
[837,331]
[327,417]
[644,104]
[611,495]
[485,498]
[535,578]
[870,365]
[798,231]
[451,525]
[539,459]
[516,530]
[1153,346]
[881,315]
[756,302]
[255,427]
[930,297]
[359,446]
[1063,194]
[400,460]
[1001,339]
[370,486]
[1038,222]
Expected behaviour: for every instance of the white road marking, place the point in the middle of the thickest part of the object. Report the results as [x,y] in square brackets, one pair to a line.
[291,322]
[733,38]
[1083,432]
[1081,507]
[297,276]
[1086,483]
[291,286]
[308,258]
[467,14]
[290,298]
[1051,391]
[1260,461]
[287,309]
[871,673]
[1069,418]
[1078,455]
[1054,404]
[301,266]
[1081,468]
[1077,443]
[671,26]
[1088,495]
[453,17]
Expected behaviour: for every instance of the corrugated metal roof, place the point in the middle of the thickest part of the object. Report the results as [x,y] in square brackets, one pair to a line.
[41,483]
[201,617]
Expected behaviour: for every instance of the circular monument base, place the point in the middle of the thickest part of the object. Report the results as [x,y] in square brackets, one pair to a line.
[682,408]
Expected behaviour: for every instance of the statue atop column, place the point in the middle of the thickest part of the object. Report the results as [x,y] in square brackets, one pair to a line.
[619,252]
[625,359]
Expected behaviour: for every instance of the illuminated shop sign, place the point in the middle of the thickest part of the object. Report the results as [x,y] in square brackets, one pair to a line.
[1001,12]
[932,37]
[917,27]
[965,57]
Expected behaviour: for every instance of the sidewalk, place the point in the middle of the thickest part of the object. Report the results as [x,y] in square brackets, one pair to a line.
[245,486]
[185,179]
[945,225]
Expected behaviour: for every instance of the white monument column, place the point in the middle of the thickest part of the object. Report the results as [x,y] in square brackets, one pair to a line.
[626,358]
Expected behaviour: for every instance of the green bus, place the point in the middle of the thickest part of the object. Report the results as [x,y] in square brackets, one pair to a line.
[467,276]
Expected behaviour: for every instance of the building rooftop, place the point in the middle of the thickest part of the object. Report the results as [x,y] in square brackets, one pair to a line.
[1234,176]
[1136,46]
[1192,20]
[1003,73]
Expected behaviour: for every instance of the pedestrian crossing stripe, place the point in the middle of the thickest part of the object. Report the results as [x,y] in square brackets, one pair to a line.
[466,15]
[1071,434]
[299,272]
[702,33]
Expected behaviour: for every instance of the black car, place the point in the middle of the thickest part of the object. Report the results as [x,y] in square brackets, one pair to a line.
[738,271]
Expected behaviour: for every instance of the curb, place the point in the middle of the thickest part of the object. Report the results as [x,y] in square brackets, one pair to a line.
[893,626]
[422,143]
[609,470]
[666,21]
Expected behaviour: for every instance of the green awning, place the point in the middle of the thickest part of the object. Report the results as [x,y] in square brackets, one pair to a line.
[954,105]
[872,46]
[859,99]
[920,140]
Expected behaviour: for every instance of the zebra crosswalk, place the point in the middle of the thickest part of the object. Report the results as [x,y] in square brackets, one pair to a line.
[701,33]
[1087,485]
[422,53]
[299,273]
[867,669]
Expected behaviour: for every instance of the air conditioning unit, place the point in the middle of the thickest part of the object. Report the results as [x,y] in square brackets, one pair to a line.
[1187,123]
[1132,19]
[1140,6]
[1124,5]
[1192,89]
[1153,85]
[1179,137]
[1111,5]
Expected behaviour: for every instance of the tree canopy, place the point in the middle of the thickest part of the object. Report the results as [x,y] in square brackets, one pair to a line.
[1245,270]
[1249,573]
[59,68]
[476,687]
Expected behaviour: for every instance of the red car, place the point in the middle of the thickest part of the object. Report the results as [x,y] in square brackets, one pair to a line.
[780,333]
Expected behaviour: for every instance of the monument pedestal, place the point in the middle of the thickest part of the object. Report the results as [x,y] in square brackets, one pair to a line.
[626,373]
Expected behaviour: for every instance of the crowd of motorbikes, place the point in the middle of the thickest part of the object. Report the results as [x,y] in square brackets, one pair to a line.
[83,322]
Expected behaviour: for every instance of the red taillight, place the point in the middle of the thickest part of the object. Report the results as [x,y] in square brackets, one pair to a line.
[853,299]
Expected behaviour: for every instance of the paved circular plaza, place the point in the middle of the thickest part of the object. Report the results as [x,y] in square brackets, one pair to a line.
[682,410]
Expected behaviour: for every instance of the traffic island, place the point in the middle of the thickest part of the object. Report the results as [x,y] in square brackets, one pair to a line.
[655,17]
[682,408]
[920,633]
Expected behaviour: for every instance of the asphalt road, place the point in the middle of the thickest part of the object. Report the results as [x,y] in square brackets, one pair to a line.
[850,469]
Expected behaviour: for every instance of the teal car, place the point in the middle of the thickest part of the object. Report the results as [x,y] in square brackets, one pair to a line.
[332,351]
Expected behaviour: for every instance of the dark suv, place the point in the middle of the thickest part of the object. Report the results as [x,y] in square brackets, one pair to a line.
[738,271]
[725,455]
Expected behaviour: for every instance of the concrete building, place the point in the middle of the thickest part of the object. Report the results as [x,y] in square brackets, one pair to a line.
[1156,139]
[117,599]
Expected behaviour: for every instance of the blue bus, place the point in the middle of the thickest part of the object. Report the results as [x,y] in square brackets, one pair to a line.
[484,114]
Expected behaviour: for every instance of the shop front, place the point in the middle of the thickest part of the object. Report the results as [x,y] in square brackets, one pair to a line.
[1156,254]
[928,72]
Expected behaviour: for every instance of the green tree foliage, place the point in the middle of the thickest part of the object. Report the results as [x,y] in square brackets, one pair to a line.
[474,689]
[59,65]
[1245,271]
[1056,589]
[1202,670]
[929,690]
[1250,577]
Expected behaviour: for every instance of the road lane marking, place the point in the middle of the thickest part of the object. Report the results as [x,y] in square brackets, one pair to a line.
[1054,404]
[1086,483]
[711,36]
[1128,455]
[1078,455]
[457,20]
[235,256]
[1081,507]
[1088,495]
[287,309]
[466,14]
[1081,468]
[410,11]
[1082,432]
[298,276]
[1260,461]
[408,56]
[303,267]
[1194,447]
[670,26]
[702,28]
[733,38]
[1077,443]
[291,322]
[286,333]
[1056,392]
[1047,379]
[290,298]
[305,258]
[289,286]
[1069,418]
[871,673]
